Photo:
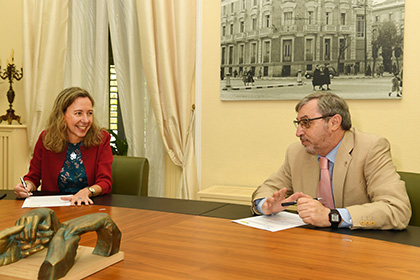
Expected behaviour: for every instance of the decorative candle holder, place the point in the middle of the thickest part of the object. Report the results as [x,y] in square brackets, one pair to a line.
[11,73]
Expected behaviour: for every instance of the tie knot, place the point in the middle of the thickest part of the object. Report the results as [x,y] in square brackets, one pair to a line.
[323,163]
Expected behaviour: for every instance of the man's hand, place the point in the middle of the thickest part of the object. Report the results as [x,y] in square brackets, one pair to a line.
[312,212]
[273,203]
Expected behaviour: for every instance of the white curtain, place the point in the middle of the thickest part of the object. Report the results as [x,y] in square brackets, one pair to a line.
[168,37]
[131,85]
[44,54]
[87,53]
[81,27]
[154,152]
[132,91]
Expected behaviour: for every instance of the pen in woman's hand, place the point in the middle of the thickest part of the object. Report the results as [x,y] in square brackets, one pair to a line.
[25,186]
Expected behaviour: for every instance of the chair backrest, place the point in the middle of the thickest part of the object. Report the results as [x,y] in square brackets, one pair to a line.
[412,184]
[130,175]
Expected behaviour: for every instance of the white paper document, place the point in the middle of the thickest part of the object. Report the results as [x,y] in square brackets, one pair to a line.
[45,201]
[277,222]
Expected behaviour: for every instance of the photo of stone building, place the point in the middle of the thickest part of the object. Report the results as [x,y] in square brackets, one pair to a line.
[272,39]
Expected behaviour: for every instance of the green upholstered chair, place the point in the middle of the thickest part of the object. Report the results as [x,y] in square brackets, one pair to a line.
[130,175]
[412,183]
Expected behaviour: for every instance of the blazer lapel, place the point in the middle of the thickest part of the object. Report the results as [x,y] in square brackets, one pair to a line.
[341,165]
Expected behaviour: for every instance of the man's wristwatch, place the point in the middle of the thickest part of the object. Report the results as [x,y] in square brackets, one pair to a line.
[334,218]
[92,190]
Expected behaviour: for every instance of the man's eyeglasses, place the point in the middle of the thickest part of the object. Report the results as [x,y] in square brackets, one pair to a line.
[305,123]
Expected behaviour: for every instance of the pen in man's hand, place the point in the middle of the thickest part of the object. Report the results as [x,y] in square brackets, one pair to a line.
[295,202]
[25,186]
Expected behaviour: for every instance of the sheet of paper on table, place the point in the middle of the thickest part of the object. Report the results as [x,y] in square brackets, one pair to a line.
[45,201]
[277,222]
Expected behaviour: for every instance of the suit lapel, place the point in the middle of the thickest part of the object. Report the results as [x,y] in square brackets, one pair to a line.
[341,165]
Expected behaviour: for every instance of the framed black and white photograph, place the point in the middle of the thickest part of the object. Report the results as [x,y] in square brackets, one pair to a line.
[286,49]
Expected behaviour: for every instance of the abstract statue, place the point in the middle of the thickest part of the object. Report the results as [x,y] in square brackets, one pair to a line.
[40,228]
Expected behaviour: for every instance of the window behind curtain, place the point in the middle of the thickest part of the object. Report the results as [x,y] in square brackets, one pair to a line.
[115,118]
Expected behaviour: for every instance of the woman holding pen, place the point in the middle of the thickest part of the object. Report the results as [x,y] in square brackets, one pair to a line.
[73,155]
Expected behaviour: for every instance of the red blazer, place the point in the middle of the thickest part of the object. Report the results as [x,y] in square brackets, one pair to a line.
[46,165]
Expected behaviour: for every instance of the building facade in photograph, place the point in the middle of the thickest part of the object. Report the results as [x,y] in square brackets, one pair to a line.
[388,20]
[279,38]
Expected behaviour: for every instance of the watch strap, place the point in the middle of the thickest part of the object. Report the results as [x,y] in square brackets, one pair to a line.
[334,218]
[92,190]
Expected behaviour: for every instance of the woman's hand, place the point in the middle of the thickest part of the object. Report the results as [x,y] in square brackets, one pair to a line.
[21,192]
[80,197]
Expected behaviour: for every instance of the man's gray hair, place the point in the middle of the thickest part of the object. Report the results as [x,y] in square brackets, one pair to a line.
[329,104]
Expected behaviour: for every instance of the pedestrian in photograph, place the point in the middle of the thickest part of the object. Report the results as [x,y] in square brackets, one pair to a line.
[316,79]
[401,80]
[381,70]
[368,71]
[395,85]
[348,69]
[356,68]
[394,68]
[245,77]
[250,78]
[378,72]
[327,77]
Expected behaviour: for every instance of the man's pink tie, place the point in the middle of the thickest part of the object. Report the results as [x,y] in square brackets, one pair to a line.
[324,187]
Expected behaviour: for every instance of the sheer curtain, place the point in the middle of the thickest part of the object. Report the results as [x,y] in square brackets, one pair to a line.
[87,53]
[44,53]
[167,31]
[65,44]
[81,28]
[132,90]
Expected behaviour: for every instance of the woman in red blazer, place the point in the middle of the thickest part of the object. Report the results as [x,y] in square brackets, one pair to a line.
[73,155]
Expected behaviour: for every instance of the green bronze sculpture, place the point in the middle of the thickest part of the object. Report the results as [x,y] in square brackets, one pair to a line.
[40,228]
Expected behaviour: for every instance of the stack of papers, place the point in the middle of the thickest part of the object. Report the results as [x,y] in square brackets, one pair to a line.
[45,201]
[277,222]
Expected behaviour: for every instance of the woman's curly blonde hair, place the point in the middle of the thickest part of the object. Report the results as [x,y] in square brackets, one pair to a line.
[55,138]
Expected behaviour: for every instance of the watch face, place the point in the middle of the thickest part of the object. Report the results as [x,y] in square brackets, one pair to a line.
[335,218]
